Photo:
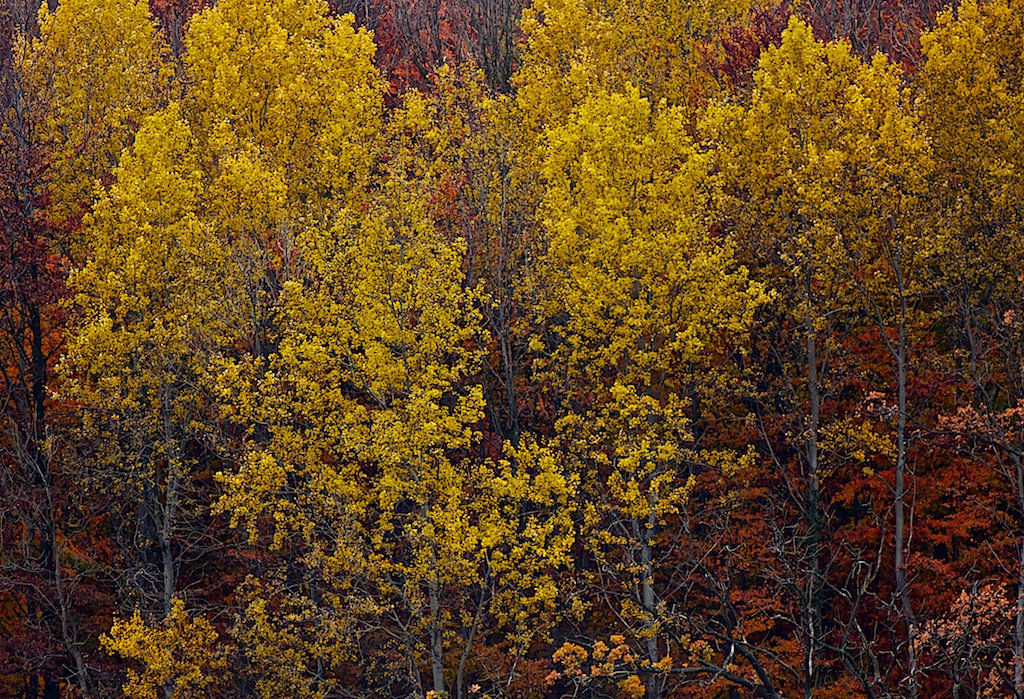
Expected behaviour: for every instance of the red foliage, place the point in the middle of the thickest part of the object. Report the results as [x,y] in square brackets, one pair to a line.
[734,60]
[892,27]
[172,16]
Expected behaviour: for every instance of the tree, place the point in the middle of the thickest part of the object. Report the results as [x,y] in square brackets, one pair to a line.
[371,419]
[973,117]
[74,84]
[137,355]
[577,48]
[188,253]
[88,88]
[635,293]
[824,168]
[290,87]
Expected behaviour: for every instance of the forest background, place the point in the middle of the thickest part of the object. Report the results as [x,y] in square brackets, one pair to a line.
[472,348]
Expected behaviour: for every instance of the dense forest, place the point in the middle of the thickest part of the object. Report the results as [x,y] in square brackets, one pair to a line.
[487,348]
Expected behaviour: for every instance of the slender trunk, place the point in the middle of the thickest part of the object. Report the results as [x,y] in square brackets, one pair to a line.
[436,647]
[70,642]
[509,376]
[899,544]
[1018,630]
[39,368]
[32,681]
[812,504]
[166,551]
[967,309]
[460,676]
[649,601]
[63,602]
[166,531]
[170,506]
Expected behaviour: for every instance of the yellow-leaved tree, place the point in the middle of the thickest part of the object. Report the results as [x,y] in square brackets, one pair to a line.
[637,294]
[285,104]
[825,171]
[148,300]
[370,405]
[177,655]
[90,77]
[971,97]
[284,83]
[186,256]
[576,48]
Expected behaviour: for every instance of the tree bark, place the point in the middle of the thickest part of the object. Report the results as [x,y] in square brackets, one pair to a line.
[812,515]
[1018,629]
[648,598]
[899,545]
[436,640]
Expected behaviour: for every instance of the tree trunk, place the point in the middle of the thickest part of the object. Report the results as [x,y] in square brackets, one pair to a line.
[460,676]
[1018,629]
[170,509]
[64,608]
[812,516]
[648,598]
[899,562]
[436,641]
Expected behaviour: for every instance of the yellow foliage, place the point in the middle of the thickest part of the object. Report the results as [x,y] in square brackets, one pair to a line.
[970,93]
[971,97]
[176,654]
[284,635]
[642,289]
[148,301]
[372,410]
[856,439]
[579,48]
[828,153]
[629,259]
[632,687]
[634,296]
[183,297]
[91,76]
[525,510]
[281,79]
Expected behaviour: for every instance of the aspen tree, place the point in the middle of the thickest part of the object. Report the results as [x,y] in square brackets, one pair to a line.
[176,656]
[971,98]
[284,80]
[92,74]
[74,87]
[827,165]
[576,48]
[637,291]
[136,357]
[189,250]
[372,417]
